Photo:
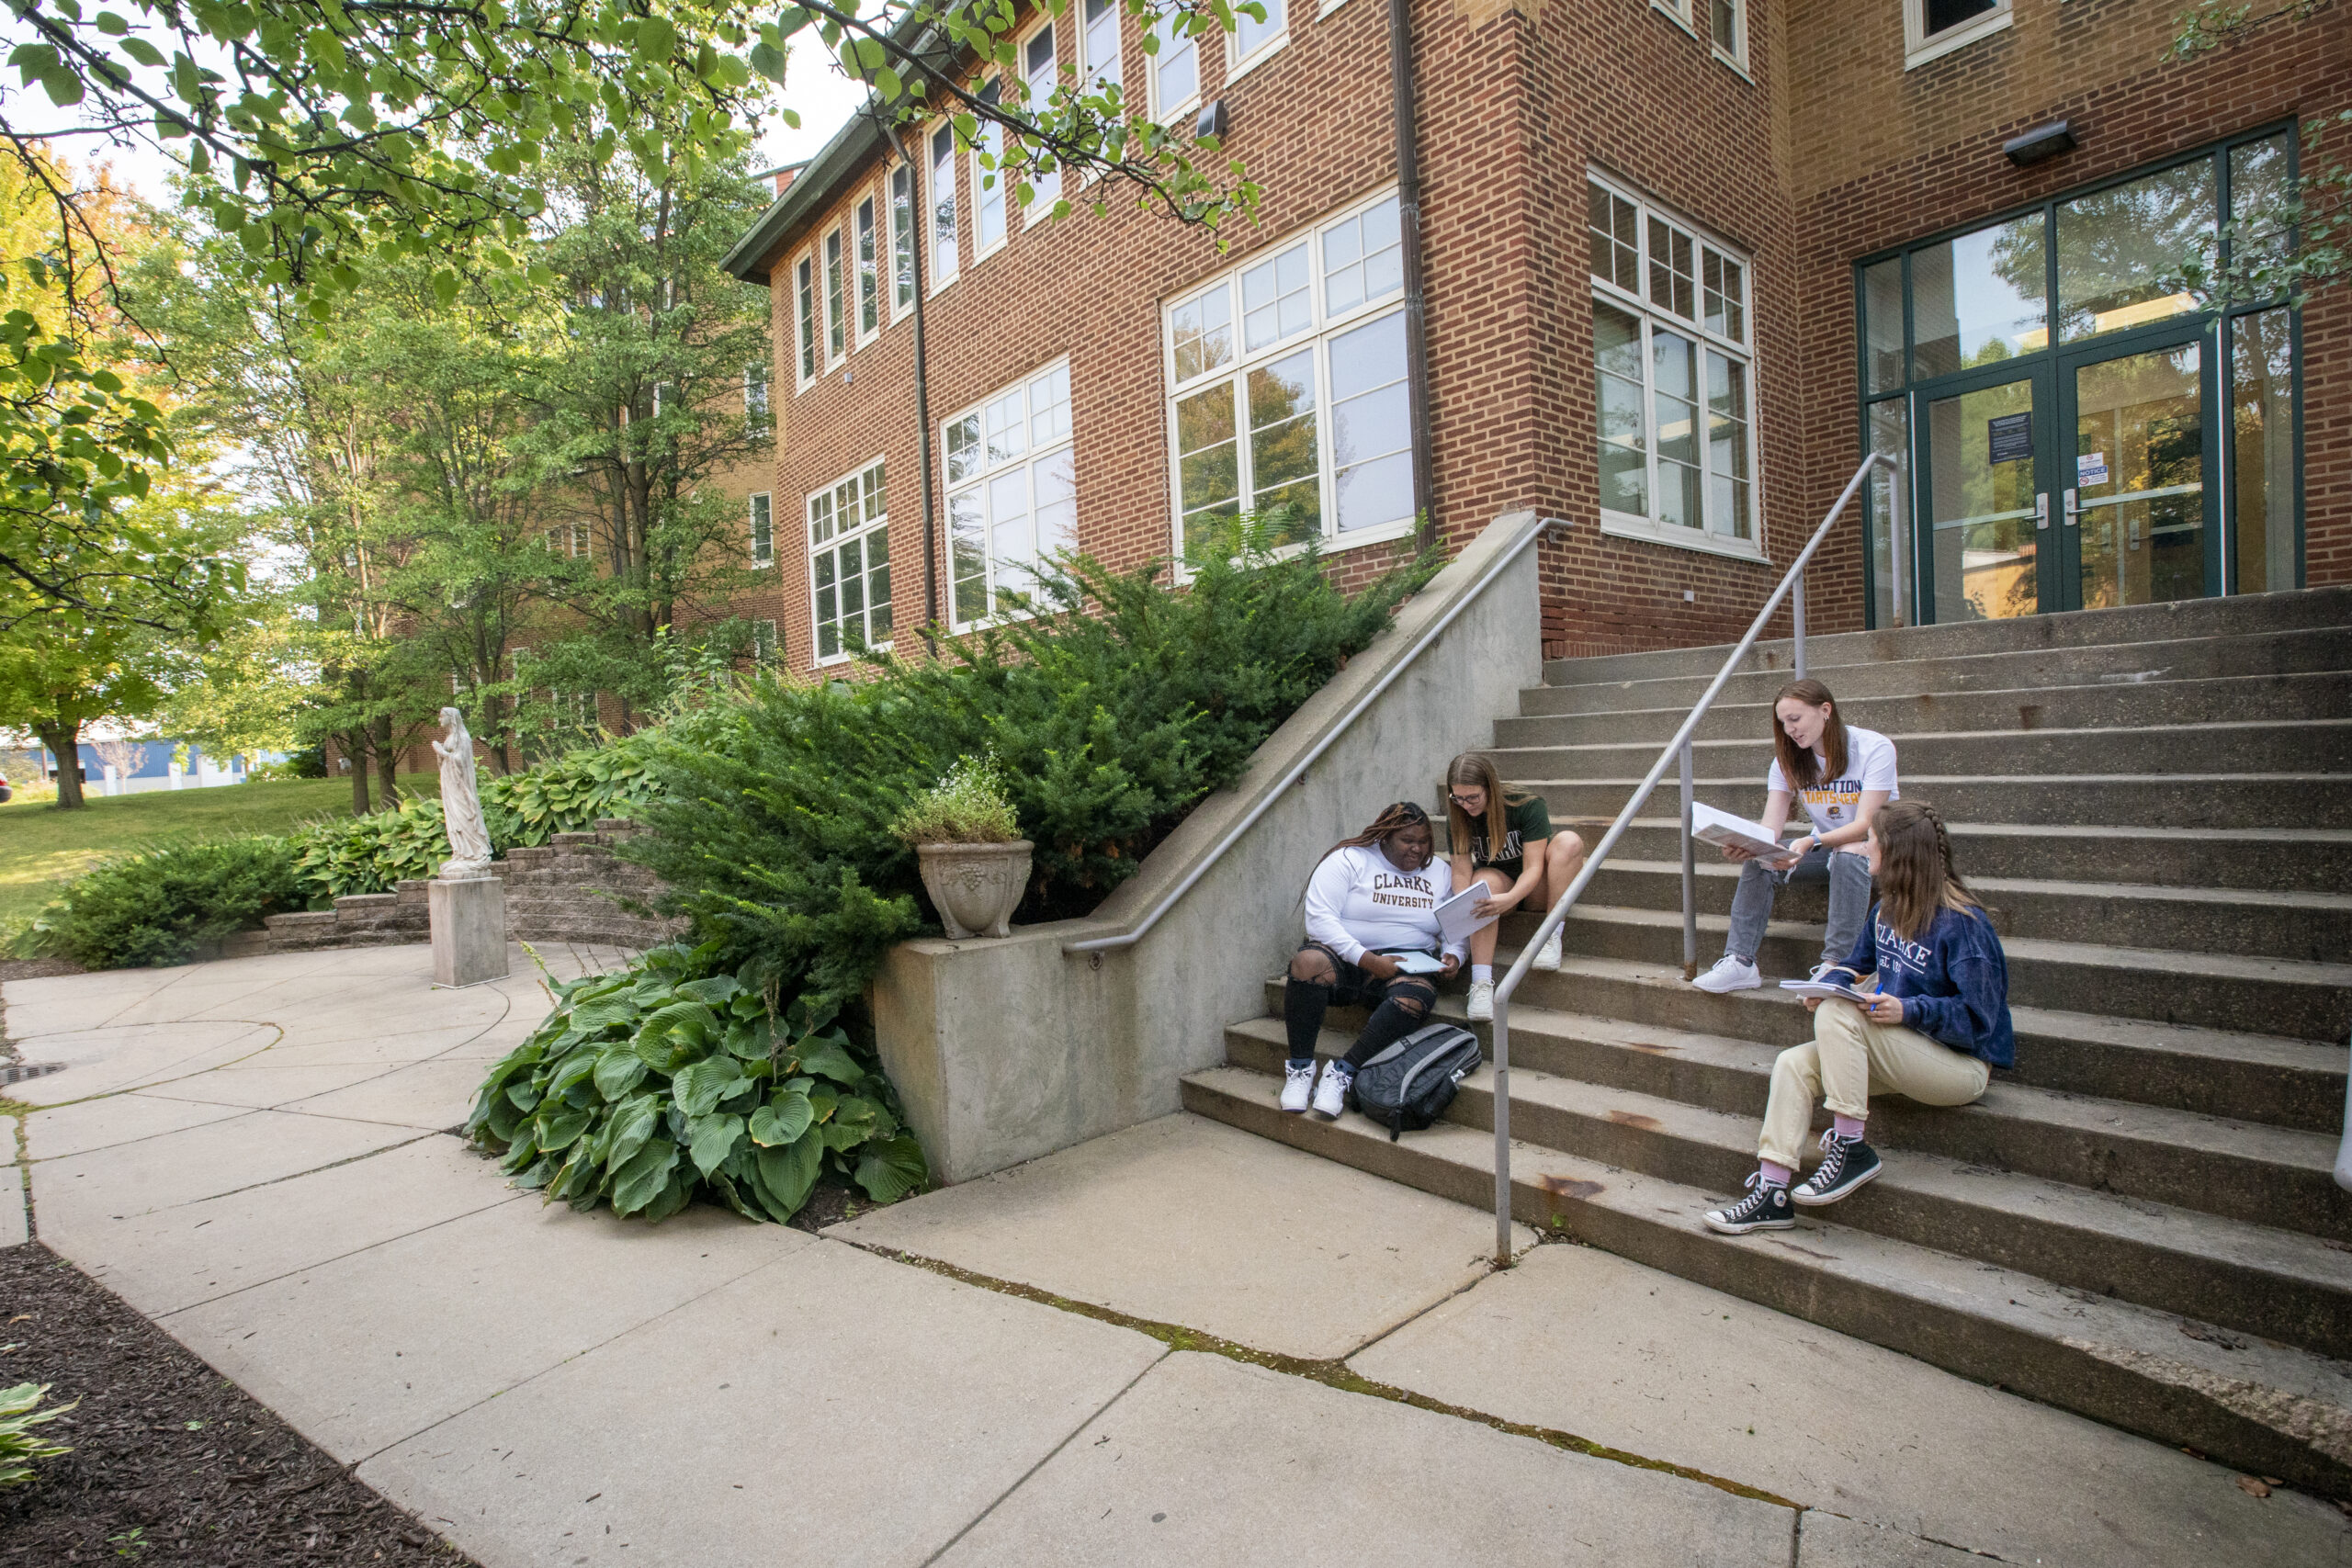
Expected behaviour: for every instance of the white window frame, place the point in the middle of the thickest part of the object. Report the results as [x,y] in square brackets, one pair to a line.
[766,646]
[573,543]
[1737,55]
[1090,70]
[1919,48]
[990,140]
[1679,13]
[1170,111]
[835,298]
[1708,538]
[981,482]
[759,396]
[753,505]
[903,249]
[1043,189]
[940,276]
[868,529]
[1323,326]
[808,329]
[865,270]
[1237,64]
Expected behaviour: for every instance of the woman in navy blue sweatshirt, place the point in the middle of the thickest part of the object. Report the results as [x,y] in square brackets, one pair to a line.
[1935,1029]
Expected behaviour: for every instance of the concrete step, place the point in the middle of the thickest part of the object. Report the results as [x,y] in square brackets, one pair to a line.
[2312,927]
[2307,859]
[2295,801]
[2240,615]
[2302,746]
[2290,652]
[2265,1407]
[2155,704]
[2216,990]
[2261,1175]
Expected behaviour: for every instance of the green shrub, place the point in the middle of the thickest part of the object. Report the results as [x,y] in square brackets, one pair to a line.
[648,1087]
[160,906]
[966,806]
[20,1447]
[371,853]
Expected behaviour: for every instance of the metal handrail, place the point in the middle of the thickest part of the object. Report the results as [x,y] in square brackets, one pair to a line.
[1677,747]
[1346,721]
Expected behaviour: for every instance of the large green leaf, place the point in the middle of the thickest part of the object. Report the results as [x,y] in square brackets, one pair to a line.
[633,1123]
[714,1138]
[781,1121]
[791,1174]
[889,1171]
[717,989]
[829,1058]
[558,1126]
[701,1085]
[618,1070]
[640,1180]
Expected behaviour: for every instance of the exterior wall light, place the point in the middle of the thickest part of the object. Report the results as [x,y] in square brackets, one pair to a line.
[2042,142]
[1212,120]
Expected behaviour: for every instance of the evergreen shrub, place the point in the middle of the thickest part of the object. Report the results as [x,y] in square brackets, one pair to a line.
[163,906]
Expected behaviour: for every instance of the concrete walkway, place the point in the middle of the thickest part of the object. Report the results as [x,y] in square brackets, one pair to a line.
[1177,1344]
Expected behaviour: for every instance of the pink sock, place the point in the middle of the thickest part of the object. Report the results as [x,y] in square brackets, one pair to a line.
[1847,1128]
[1775,1173]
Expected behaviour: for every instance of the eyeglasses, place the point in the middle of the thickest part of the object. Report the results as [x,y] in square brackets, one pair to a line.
[1461,800]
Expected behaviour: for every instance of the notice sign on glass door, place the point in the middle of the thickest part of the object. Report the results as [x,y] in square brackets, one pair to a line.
[2090,468]
[2008,438]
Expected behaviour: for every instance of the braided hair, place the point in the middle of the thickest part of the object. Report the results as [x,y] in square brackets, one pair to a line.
[1393,820]
[1915,876]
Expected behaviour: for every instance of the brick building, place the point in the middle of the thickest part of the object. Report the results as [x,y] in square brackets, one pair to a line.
[1936,227]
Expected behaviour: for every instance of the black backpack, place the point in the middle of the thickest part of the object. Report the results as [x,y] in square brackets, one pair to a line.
[1408,1085]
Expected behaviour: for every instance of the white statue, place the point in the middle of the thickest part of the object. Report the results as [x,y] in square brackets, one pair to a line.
[461,801]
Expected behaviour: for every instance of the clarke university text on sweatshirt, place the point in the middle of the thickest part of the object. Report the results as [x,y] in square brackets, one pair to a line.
[1358,901]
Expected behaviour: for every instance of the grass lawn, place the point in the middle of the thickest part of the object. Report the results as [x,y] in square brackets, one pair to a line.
[41,847]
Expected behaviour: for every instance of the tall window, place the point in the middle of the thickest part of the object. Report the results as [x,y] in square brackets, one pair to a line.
[988,182]
[836,316]
[902,241]
[1286,387]
[762,530]
[1252,37]
[945,258]
[869,282]
[1672,372]
[1175,74]
[1038,72]
[849,565]
[804,291]
[763,642]
[1727,25]
[1012,494]
[1101,41]
[1933,28]
[757,415]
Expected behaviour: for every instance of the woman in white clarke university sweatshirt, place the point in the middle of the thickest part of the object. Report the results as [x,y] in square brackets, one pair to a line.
[1372,896]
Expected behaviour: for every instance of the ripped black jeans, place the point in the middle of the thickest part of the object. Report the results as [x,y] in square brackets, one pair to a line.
[1320,977]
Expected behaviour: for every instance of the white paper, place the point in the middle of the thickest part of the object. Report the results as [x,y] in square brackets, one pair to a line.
[1458,915]
[1825,988]
[1721,827]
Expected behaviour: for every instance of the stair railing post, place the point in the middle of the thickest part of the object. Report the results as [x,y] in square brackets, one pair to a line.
[1502,1136]
[1796,618]
[1690,878]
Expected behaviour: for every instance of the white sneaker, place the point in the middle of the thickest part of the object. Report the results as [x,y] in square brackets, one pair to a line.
[1825,966]
[1332,1092]
[1729,974]
[1298,1083]
[1482,1001]
[1548,955]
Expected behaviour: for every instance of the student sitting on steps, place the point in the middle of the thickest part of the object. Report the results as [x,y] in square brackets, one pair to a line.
[1845,775]
[1503,836]
[1370,897]
[1935,1031]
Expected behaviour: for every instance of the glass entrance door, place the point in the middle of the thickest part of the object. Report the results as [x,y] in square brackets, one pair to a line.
[1987,507]
[2139,515]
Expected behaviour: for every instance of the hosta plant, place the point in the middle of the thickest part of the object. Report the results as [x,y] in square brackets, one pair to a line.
[650,1086]
[21,1446]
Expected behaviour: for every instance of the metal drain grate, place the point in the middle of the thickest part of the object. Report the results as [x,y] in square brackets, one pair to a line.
[30,1070]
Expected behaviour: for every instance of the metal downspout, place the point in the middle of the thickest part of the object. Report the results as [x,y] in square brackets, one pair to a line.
[916,210]
[1409,222]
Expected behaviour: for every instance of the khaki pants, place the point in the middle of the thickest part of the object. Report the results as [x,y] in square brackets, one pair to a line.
[1851,1058]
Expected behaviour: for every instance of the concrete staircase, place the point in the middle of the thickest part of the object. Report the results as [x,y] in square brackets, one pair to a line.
[2138,1223]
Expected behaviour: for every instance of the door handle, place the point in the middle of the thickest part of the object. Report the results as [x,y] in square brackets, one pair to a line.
[2042,510]
[2073,510]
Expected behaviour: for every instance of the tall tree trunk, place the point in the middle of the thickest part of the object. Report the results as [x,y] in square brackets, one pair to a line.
[353,744]
[64,741]
[388,762]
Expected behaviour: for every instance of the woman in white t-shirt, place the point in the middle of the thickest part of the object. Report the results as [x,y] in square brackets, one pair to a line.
[1844,775]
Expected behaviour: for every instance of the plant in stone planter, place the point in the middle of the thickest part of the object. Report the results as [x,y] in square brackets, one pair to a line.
[974,861]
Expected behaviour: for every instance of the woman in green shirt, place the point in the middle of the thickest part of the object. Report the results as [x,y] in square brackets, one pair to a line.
[1503,835]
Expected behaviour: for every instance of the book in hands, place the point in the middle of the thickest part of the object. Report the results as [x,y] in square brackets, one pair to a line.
[1409,962]
[1734,832]
[1827,988]
[1458,915]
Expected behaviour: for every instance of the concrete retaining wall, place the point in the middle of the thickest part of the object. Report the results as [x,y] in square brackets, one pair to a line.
[1003,1051]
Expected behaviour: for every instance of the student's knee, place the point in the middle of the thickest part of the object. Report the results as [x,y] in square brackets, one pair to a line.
[1797,1070]
[1839,1020]
[1566,848]
[1414,998]
[1314,967]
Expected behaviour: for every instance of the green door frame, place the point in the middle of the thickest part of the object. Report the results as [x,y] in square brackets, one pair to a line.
[2038,371]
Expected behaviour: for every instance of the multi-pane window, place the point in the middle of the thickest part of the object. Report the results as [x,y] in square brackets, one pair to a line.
[1287,388]
[987,181]
[1038,71]
[1100,42]
[763,524]
[869,281]
[1727,26]
[945,255]
[758,415]
[1672,374]
[763,642]
[1931,28]
[836,316]
[1012,494]
[848,564]
[804,293]
[569,539]
[1175,74]
[1252,37]
[902,241]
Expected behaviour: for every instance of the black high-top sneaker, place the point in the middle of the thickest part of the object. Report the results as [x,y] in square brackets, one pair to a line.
[1765,1208]
[1847,1164]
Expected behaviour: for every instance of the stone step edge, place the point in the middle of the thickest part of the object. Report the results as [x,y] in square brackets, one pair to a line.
[2151,891]
[1727,703]
[2254,1406]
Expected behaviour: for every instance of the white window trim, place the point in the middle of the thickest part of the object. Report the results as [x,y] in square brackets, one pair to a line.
[1326,7]
[816,325]
[750,538]
[1166,112]
[1918,48]
[981,252]
[880,197]
[1045,24]
[1679,14]
[1736,56]
[1089,72]
[1322,328]
[1029,456]
[927,218]
[825,298]
[810,548]
[775,645]
[1237,67]
[914,236]
[1625,524]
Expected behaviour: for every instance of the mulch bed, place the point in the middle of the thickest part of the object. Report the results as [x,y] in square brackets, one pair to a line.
[38,968]
[172,1462]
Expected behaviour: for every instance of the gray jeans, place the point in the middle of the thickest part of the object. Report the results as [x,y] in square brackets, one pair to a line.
[1848,876]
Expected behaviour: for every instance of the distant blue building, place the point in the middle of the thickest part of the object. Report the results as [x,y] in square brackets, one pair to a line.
[147,764]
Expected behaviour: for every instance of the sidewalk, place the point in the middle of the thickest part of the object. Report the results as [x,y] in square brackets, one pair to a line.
[1176,1344]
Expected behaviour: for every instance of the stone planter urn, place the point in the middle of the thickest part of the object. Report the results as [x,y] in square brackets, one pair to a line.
[976,888]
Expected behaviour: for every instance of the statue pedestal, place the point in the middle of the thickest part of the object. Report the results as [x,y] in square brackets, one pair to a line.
[469,930]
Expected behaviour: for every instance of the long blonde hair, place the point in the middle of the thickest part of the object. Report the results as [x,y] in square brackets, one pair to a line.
[1476,770]
[1915,876]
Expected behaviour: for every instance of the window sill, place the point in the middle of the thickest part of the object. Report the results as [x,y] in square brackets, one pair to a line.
[1619,526]
[1237,69]
[1677,17]
[1959,38]
[1326,7]
[1734,65]
[767,565]
[832,661]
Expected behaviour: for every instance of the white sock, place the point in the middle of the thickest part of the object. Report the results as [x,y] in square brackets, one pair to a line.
[1482,973]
